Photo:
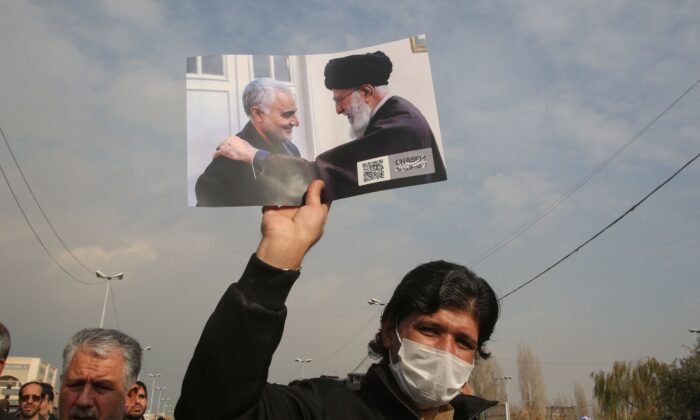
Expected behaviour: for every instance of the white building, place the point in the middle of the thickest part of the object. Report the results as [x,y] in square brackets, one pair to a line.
[19,370]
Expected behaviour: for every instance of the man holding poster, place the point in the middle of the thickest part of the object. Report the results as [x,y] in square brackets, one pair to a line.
[436,323]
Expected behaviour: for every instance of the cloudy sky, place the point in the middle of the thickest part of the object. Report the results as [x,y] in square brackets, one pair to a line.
[532,97]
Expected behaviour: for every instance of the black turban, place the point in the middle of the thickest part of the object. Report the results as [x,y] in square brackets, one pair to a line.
[355,70]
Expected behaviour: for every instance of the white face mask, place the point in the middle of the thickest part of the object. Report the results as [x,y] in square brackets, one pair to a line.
[429,376]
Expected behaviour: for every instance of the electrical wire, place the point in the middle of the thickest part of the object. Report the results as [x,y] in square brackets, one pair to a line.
[19,168]
[556,203]
[367,356]
[36,235]
[351,338]
[630,210]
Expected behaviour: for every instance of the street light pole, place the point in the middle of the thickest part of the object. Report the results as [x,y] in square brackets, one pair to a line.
[302,361]
[375,301]
[506,379]
[143,365]
[101,275]
[160,390]
[153,389]
[165,404]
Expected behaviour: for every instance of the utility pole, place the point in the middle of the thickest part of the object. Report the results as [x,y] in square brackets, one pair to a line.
[153,389]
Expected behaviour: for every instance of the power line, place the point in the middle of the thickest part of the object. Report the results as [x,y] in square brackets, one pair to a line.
[556,203]
[36,235]
[630,210]
[367,356]
[19,168]
[351,338]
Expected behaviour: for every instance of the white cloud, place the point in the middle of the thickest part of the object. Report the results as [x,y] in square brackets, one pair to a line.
[96,256]
[450,196]
[513,196]
[145,14]
[144,94]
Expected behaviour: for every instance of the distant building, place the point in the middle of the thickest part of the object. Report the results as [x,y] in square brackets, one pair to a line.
[19,370]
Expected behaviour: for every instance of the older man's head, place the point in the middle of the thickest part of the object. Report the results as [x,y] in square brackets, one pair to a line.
[99,367]
[359,83]
[271,107]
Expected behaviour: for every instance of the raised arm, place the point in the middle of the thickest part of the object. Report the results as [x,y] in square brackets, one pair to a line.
[236,347]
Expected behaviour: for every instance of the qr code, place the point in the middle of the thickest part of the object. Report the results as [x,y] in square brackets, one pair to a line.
[373,170]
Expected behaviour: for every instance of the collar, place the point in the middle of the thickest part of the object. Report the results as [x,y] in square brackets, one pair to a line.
[380,377]
[380,103]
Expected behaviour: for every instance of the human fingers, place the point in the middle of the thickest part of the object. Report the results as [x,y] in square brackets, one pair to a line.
[313,192]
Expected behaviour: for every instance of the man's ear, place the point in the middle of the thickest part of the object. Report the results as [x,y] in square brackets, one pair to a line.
[387,334]
[256,113]
[367,89]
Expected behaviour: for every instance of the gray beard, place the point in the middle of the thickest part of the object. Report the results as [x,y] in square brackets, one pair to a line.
[358,114]
[92,412]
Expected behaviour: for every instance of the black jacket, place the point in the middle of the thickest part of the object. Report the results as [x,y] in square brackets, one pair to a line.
[234,353]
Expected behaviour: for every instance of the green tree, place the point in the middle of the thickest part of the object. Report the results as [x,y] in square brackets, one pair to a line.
[680,386]
[631,390]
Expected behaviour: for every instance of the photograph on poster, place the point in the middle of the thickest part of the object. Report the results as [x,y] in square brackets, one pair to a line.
[261,127]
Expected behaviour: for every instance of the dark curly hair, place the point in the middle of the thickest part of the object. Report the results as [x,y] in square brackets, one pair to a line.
[435,285]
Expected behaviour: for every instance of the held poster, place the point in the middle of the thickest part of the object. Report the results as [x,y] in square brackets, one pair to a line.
[261,127]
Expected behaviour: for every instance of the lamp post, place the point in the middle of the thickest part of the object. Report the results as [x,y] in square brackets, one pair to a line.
[375,301]
[302,361]
[506,379]
[143,365]
[165,404]
[101,275]
[153,389]
[695,330]
[160,390]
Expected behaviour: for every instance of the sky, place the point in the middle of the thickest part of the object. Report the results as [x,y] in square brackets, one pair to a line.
[532,96]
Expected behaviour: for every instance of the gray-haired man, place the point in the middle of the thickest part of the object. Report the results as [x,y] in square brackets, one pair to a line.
[271,108]
[99,367]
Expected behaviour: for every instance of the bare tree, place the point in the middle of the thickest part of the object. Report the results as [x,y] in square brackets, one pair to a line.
[532,390]
[486,380]
[581,402]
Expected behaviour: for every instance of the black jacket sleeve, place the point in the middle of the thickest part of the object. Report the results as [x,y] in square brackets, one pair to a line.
[229,367]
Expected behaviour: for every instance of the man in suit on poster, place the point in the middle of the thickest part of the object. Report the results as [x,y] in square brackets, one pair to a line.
[382,126]
[271,108]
